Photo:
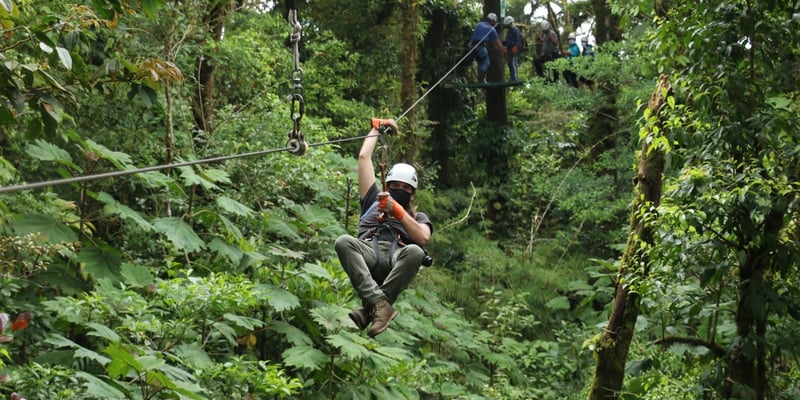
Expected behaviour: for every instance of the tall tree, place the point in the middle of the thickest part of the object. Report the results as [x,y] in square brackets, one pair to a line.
[496,107]
[603,123]
[213,20]
[408,84]
[612,346]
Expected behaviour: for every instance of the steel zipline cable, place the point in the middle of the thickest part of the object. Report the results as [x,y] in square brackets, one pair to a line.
[430,89]
[296,145]
[114,174]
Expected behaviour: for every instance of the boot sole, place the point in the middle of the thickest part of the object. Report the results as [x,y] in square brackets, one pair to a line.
[378,332]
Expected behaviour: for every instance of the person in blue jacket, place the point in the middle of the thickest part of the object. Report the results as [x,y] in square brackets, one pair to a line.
[513,44]
[485,33]
[572,52]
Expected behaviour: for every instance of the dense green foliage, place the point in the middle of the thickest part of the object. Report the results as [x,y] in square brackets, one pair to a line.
[218,279]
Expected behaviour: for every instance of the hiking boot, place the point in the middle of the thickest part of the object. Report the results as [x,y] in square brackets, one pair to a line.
[360,317]
[382,314]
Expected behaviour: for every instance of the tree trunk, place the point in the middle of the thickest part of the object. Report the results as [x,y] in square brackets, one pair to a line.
[603,124]
[612,345]
[746,375]
[496,108]
[408,89]
[203,101]
[440,101]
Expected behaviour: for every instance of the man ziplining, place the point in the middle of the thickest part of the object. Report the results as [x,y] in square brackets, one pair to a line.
[387,254]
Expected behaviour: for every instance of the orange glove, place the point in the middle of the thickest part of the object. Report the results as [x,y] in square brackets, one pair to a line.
[384,125]
[377,123]
[390,206]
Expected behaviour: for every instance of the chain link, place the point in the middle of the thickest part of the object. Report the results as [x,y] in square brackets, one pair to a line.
[296,143]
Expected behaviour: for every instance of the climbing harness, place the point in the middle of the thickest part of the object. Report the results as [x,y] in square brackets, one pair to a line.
[296,144]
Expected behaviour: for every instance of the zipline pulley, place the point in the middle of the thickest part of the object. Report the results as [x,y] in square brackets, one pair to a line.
[296,144]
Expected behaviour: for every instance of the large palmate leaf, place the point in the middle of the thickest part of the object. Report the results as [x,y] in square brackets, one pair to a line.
[280,224]
[101,262]
[100,389]
[80,351]
[102,331]
[54,231]
[179,233]
[193,355]
[192,178]
[119,159]
[281,299]
[247,323]
[293,335]
[113,207]
[46,151]
[305,357]
[329,315]
[231,252]
[231,228]
[232,206]
[122,361]
[137,275]
[347,346]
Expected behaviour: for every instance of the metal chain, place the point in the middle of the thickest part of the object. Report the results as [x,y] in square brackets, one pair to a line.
[296,143]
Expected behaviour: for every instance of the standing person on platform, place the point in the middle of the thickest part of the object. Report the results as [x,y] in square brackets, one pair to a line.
[550,50]
[572,52]
[513,43]
[485,33]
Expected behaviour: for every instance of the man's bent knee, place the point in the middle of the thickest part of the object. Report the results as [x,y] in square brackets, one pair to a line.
[344,242]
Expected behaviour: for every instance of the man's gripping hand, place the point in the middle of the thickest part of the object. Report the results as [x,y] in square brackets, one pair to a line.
[390,206]
[384,125]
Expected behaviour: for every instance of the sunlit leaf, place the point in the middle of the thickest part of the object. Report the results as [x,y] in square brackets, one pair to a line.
[46,151]
[122,361]
[64,57]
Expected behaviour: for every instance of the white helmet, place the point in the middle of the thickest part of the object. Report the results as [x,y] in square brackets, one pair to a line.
[402,172]
[571,35]
[508,20]
[545,25]
[492,17]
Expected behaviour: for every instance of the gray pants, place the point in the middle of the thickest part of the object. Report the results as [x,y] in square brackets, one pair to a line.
[381,276]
